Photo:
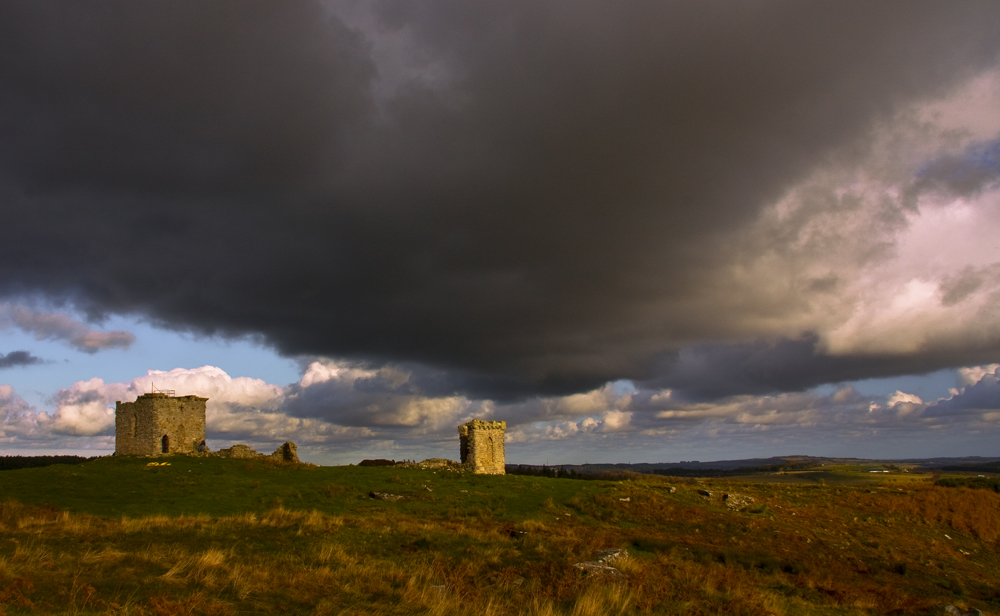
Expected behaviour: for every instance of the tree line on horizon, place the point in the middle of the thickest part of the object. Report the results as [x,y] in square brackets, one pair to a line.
[13,463]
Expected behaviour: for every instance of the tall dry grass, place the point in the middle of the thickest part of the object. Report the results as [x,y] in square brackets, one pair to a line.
[835,550]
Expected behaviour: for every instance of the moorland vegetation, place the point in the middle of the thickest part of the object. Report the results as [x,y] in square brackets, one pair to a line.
[114,536]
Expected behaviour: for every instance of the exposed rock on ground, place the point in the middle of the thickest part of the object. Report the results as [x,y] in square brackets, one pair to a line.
[737,502]
[705,493]
[601,565]
[612,554]
[385,496]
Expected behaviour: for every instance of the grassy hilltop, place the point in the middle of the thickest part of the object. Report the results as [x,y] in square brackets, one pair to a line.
[215,536]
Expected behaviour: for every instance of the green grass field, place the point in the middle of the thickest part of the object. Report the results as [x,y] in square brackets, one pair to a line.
[219,536]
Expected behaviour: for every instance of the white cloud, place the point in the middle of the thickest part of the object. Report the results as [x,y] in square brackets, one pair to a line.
[615,421]
[83,408]
[325,370]
[902,397]
[973,374]
[209,382]
[18,419]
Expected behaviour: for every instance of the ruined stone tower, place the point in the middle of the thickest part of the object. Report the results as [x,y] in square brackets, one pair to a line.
[481,446]
[159,424]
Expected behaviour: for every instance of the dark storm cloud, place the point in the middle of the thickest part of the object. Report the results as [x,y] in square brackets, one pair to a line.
[710,371]
[544,215]
[18,358]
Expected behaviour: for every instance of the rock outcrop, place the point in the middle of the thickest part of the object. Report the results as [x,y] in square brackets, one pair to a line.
[737,502]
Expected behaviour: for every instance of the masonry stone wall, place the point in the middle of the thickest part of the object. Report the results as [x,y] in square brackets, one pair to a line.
[157,424]
[481,446]
[286,452]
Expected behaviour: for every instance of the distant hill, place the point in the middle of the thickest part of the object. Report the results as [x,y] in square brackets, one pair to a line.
[747,466]
[972,467]
[692,468]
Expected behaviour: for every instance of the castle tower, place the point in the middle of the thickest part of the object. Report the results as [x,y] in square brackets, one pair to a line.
[481,446]
[159,424]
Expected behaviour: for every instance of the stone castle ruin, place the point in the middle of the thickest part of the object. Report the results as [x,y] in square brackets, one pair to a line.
[161,424]
[481,446]
[158,424]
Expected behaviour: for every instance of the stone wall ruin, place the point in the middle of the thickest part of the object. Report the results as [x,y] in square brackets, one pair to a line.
[481,446]
[286,452]
[158,424]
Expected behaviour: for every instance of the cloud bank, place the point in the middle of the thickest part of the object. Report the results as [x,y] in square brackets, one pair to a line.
[515,202]
[341,413]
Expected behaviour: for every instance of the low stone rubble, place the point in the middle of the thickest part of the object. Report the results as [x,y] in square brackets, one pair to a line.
[286,452]
[433,464]
[601,565]
[612,554]
[239,451]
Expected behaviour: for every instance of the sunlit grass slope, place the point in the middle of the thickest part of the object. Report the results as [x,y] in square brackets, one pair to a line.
[215,486]
[214,536]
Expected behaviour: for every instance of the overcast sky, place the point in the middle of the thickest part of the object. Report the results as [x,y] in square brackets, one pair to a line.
[635,231]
